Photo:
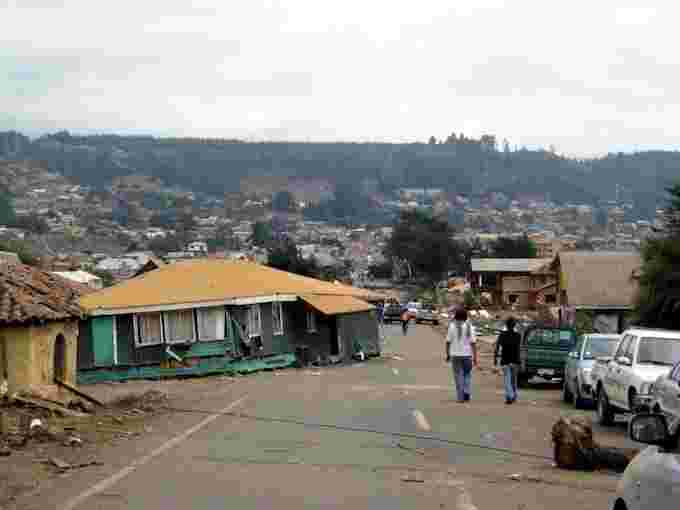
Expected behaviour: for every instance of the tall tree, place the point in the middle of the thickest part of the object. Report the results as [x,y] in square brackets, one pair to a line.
[7,215]
[285,255]
[659,295]
[262,233]
[511,248]
[426,244]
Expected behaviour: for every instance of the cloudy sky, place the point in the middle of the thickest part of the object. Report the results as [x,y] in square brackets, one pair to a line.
[585,76]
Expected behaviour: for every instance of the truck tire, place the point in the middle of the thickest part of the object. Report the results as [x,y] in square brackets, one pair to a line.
[567,395]
[605,414]
[579,402]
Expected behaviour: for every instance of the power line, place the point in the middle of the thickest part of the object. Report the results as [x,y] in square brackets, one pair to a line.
[347,428]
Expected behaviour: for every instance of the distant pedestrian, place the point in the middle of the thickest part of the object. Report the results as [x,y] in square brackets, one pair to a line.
[405,318]
[508,344]
[461,351]
[380,309]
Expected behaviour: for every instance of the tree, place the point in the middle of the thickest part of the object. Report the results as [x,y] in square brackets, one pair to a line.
[511,248]
[284,255]
[7,215]
[382,270]
[262,234]
[106,277]
[426,244]
[22,249]
[164,245]
[659,294]
[33,223]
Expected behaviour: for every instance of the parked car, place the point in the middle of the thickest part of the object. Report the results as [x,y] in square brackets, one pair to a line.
[392,313]
[600,366]
[544,352]
[642,356]
[427,313]
[578,386]
[666,398]
[652,479]
[412,308]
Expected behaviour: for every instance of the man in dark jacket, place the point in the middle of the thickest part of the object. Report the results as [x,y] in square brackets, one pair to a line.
[509,345]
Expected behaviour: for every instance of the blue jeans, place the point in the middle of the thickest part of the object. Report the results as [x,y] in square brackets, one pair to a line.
[510,380]
[462,376]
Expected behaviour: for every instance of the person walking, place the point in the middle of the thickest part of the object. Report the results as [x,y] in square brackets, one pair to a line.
[509,345]
[405,318]
[461,352]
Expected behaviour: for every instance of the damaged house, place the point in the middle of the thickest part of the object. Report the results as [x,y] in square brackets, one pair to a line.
[212,315]
[39,316]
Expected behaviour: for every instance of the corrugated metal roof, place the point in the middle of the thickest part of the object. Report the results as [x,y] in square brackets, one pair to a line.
[335,305]
[210,280]
[507,265]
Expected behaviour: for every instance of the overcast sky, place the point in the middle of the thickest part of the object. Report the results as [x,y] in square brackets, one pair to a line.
[585,76]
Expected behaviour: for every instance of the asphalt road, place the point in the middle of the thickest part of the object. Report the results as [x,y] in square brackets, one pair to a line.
[382,434]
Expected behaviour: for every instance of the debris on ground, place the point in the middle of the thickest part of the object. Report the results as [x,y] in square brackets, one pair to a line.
[395,357]
[412,479]
[149,401]
[575,447]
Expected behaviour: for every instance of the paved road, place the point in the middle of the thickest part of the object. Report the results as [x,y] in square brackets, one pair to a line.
[383,434]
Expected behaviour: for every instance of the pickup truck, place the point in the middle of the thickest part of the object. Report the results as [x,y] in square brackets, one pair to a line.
[626,384]
[544,351]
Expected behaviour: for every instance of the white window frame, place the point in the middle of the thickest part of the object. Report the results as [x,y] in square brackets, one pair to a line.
[138,339]
[183,340]
[225,322]
[311,322]
[277,308]
[254,312]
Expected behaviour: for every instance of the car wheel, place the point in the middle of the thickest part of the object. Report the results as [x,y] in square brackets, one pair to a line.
[605,415]
[567,395]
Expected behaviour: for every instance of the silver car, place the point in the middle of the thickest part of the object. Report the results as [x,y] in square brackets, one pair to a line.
[666,398]
[652,479]
[578,386]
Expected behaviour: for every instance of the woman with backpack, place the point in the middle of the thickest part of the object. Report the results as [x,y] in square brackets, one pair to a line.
[461,351]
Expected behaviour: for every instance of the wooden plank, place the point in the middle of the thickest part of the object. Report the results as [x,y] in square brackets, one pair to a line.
[82,394]
[50,407]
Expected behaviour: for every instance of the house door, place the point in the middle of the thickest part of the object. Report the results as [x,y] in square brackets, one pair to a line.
[59,361]
[336,344]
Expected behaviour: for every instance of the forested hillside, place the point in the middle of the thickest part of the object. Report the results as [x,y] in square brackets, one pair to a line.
[458,164]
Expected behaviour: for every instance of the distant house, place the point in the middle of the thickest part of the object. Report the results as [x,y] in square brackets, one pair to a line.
[604,283]
[39,316]
[82,277]
[204,315]
[509,281]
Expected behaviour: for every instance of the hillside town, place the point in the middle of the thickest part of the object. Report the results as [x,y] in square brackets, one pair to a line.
[116,231]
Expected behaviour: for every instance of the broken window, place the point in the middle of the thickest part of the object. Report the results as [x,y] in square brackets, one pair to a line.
[148,329]
[179,326]
[277,318]
[311,322]
[211,323]
[254,321]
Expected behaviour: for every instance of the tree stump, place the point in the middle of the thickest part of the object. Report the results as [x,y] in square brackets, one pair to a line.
[575,448]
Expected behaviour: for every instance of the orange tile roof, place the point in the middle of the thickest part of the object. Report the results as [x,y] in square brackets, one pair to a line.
[334,305]
[211,280]
[28,294]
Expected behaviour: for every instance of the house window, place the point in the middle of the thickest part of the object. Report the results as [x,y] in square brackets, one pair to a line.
[513,298]
[311,322]
[211,323]
[149,330]
[277,318]
[179,326]
[254,321]
[550,298]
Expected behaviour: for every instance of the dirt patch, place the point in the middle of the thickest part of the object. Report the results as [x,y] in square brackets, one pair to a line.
[37,443]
